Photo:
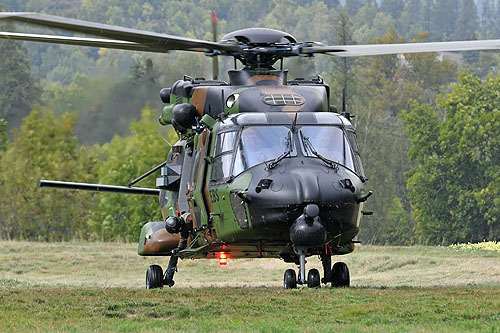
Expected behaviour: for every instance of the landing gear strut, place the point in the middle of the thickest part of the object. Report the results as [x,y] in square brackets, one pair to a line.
[171,269]
[302,266]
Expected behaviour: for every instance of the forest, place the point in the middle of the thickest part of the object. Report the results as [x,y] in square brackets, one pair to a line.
[428,124]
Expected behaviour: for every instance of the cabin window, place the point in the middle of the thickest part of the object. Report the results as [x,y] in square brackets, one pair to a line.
[259,144]
[329,142]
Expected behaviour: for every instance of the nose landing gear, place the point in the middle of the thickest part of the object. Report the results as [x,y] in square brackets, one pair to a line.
[338,275]
[290,281]
[313,280]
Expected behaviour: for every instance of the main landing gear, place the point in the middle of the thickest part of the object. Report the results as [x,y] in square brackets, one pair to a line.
[338,275]
[155,277]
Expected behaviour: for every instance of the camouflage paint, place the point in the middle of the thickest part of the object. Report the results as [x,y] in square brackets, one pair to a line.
[222,220]
[155,240]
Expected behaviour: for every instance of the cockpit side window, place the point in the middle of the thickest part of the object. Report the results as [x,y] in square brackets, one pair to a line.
[357,158]
[223,155]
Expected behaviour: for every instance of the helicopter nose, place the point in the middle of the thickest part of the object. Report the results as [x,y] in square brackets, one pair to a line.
[279,196]
[307,185]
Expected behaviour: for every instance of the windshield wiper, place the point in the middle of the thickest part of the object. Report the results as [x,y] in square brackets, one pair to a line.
[308,145]
[288,151]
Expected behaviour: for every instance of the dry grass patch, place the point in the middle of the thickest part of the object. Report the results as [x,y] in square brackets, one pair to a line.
[118,265]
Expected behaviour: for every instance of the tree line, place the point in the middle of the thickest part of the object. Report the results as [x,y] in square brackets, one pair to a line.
[45,147]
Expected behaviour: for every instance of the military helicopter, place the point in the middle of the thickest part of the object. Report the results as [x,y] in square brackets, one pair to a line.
[264,166]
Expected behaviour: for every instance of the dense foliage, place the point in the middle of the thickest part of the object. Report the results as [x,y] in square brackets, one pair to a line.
[95,94]
[124,159]
[455,184]
[46,148]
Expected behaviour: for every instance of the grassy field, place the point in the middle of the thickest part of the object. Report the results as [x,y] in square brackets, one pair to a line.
[99,286]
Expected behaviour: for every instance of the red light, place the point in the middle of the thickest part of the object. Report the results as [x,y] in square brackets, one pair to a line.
[222,258]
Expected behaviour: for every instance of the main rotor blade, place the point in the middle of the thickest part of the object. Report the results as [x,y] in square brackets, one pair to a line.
[158,41]
[381,49]
[94,42]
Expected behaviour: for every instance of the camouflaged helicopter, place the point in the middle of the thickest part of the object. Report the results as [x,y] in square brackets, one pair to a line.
[264,166]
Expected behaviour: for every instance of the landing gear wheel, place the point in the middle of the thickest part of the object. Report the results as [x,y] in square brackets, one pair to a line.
[154,277]
[313,280]
[290,279]
[340,273]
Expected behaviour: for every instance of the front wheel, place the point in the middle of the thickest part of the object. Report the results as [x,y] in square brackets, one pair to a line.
[154,277]
[290,279]
[313,280]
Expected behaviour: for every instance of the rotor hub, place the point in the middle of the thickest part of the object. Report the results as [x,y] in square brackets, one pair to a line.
[260,47]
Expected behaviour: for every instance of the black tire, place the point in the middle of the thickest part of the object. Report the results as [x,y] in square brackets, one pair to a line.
[313,279]
[340,273]
[154,277]
[290,279]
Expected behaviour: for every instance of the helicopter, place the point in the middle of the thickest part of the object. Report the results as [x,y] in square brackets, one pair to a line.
[264,166]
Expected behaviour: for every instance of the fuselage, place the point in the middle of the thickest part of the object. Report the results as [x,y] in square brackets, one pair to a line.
[247,177]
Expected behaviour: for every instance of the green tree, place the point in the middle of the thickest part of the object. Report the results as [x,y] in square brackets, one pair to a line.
[393,7]
[444,16]
[454,184]
[487,19]
[3,135]
[44,148]
[428,70]
[343,75]
[19,91]
[467,23]
[119,216]
[384,90]
[411,20]
[369,23]
[353,6]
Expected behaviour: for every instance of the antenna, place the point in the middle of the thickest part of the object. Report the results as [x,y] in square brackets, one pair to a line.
[168,143]
[343,100]
[344,113]
[294,124]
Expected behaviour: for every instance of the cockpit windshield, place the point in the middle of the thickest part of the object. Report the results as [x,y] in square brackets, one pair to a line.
[237,149]
[327,141]
[259,144]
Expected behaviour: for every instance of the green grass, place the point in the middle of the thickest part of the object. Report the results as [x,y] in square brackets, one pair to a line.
[99,287]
